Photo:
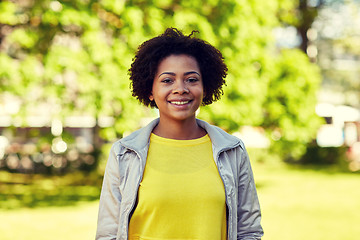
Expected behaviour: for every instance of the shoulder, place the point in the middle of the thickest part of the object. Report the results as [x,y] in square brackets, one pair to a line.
[138,139]
[219,137]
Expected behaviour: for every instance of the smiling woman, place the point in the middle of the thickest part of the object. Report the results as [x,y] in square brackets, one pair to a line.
[179,177]
[178,92]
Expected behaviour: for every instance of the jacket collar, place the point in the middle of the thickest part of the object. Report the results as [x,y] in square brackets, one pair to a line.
[221,140]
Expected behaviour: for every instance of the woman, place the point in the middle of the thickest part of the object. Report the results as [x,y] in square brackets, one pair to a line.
[179,177]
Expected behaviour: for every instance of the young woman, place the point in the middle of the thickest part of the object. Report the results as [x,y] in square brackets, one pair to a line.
[179,177]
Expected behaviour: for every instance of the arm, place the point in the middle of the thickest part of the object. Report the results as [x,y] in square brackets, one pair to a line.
[248,212]
[110,200]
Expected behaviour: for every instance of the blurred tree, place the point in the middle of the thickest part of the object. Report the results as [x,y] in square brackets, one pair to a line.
[302,14]
[75,55]
[337,39]
[329,33]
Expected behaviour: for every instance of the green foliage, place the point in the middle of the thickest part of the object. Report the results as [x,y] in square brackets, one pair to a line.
[8,13]
[316,155]
[290,105]
[75,55]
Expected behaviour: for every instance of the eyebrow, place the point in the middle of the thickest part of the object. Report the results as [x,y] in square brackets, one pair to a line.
[185,74]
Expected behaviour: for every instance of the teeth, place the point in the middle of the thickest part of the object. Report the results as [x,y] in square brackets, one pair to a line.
[180,102]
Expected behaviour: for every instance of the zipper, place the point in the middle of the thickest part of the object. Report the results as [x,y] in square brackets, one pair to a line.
[222,178]
[136,192]
[226,198]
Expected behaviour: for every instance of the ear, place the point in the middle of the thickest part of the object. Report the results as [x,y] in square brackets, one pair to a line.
[151,97]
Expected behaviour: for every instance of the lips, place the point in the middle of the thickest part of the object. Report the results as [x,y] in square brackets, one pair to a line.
[180,102]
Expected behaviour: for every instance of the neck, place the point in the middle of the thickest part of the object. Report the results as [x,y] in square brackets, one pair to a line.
[181,130]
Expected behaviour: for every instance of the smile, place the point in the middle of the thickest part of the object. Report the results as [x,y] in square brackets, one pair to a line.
[179,102]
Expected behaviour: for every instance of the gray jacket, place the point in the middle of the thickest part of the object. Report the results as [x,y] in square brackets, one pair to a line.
[124,171]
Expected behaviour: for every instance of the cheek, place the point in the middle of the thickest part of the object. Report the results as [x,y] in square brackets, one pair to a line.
[159,94]
[201,91]
[200,94]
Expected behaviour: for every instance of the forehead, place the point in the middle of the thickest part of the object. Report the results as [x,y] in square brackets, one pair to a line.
[178,62]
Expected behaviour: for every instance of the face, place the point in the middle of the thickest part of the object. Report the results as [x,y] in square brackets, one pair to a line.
[177,88]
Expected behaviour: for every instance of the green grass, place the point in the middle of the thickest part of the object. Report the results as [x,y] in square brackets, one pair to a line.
[297,204]
[70,223]
[33,191]
[300,204]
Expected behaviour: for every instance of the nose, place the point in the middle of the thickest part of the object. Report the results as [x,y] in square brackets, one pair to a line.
[180,87]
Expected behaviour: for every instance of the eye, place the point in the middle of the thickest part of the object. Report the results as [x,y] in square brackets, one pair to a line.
[192,80]
[166,80]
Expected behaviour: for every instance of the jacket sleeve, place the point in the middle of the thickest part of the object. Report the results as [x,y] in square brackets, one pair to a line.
[248,209]
[110,199]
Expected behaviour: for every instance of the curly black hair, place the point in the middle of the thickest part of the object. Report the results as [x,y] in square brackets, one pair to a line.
[174,42]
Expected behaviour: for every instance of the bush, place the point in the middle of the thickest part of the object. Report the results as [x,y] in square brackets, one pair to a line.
[326,156]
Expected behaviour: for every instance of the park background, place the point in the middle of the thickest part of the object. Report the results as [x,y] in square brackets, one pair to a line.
[292,95]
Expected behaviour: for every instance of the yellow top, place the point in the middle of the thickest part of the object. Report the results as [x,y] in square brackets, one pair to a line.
[181,195]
